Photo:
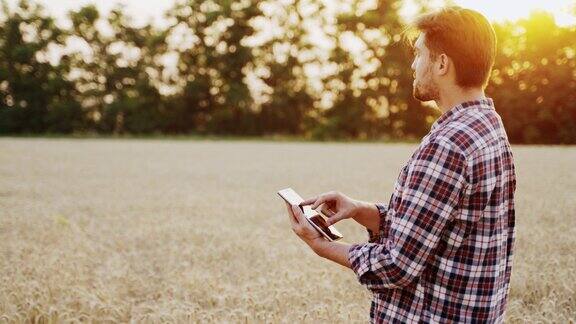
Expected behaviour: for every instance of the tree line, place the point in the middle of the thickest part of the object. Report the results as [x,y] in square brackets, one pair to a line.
[255,68]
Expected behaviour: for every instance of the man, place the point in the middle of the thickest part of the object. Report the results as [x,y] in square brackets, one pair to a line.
[441,249]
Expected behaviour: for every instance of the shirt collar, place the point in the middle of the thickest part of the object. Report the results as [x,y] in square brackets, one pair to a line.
[485,103]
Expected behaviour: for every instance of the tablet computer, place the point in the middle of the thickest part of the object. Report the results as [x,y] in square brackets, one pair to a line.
[315,217]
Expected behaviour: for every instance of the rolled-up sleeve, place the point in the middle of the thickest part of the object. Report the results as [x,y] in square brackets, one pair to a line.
[375,237]
[431,192]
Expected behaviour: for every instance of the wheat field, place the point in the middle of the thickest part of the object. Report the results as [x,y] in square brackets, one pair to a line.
[126,230]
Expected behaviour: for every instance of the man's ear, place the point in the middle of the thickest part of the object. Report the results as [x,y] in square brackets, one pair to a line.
[443,64]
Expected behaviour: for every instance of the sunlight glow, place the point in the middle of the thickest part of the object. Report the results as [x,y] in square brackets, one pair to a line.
[514,10]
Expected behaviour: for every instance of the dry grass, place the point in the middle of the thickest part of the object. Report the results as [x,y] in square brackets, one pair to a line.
[146,230]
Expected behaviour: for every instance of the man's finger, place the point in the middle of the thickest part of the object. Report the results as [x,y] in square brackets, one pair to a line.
[326,210]
[323,198]
[302,220]
[308,201]
[293,220]
[297,213]
[336,218]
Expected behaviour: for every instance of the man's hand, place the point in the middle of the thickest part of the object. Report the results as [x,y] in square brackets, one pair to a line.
[302,227]
[337,206]
[337,252]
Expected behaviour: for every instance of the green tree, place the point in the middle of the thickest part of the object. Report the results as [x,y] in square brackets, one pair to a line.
[215,97]
[533,82]
[261,67]
[35,96]
[282,59]
[116,78]
[378,100]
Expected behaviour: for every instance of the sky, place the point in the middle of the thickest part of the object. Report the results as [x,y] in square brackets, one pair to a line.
[496,10]
[506,9]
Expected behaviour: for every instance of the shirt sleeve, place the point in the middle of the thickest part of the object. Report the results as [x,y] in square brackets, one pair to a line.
[375,237]
[431,192]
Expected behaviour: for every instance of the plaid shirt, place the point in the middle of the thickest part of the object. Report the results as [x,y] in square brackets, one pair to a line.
[444,248]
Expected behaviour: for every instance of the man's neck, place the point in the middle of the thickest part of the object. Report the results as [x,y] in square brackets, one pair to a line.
[449,99]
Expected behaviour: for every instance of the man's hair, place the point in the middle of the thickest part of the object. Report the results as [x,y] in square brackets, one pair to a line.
[466,37]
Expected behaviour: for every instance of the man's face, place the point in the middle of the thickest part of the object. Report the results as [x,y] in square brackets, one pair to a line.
[424,86]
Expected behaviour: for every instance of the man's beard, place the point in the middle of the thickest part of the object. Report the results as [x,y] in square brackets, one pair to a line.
[426,91]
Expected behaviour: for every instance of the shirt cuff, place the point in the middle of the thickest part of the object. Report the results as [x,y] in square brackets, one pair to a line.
[359,259]
[375,237]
